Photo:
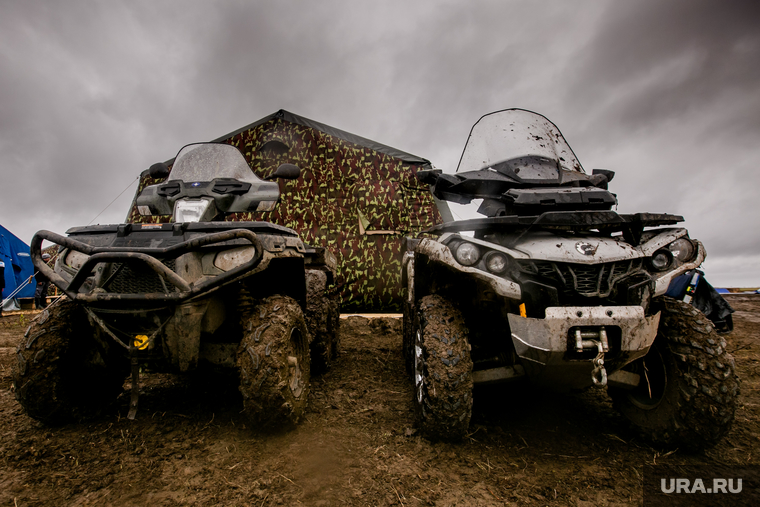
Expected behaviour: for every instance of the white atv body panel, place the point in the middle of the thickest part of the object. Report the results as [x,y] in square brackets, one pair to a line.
[542,343]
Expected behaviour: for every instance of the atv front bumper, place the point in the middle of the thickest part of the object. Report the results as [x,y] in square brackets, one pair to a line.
[181,289]
[556,351]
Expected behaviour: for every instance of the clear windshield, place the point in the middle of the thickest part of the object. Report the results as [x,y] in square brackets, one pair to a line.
[518,139]
[204,162]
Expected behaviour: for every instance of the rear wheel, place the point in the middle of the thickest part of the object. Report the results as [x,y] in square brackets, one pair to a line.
[408,333]
[62,373]
[442,370]
[274,364]
[323,320]
[688,389]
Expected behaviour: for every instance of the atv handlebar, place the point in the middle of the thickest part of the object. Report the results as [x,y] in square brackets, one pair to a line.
[142,254]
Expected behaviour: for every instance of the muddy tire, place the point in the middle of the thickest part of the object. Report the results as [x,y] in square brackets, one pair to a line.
[274,364]
[692,382]
[323,320]
[407,342]
[62,373]
[442,370]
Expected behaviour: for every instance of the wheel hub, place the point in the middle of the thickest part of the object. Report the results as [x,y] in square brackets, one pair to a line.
[418,365]
[654,379]
[295,383]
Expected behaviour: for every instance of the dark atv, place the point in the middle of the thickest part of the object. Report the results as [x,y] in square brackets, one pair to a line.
[555,287]
[177,297]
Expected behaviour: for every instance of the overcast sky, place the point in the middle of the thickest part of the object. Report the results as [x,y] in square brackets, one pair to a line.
[665,93]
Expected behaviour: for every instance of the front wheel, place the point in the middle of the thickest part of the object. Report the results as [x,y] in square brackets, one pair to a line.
[442,370]
[688,389]
[273,362]
[62,373]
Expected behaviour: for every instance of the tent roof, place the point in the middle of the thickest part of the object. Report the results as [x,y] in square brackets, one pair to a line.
[9,234]
[341,134]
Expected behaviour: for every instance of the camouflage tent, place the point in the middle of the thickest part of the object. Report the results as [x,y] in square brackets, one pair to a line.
[356,197]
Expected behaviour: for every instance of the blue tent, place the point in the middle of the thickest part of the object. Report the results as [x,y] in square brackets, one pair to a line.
[18,265]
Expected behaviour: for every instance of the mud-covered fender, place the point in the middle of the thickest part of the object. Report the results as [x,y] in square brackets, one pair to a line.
[407,275]
[439,253]
[663,282]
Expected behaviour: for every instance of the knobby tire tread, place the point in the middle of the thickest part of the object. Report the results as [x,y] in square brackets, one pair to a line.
[700,401]
[262,360]
[446,407]
[62,374]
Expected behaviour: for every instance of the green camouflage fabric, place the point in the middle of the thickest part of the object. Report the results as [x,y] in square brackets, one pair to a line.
[356,201]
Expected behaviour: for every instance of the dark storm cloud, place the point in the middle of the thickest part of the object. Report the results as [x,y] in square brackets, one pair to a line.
[253,57]
[463,62]
[666,93]
[672,58]
[81,91]
[91,93]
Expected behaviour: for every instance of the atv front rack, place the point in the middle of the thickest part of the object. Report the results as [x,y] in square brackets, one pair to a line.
[147,256]
[631,226]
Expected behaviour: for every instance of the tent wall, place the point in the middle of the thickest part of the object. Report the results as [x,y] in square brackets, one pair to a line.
[356,197]
[18,265]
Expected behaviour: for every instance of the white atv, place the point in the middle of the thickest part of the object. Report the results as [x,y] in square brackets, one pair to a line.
[555,287]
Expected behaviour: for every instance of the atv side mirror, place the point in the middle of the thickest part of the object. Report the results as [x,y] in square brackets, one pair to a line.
[158,171]
[601,177]
[605,172]
[428,176]
[286,172]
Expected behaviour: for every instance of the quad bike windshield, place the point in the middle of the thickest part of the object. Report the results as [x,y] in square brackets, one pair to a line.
[205,162]
[518,143]
[209,181]
[519,163]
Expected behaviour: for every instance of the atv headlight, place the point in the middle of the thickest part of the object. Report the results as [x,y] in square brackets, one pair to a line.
[75,259]
[467,254]
[496,262]
[234,257]
[682,249]
[186,210]
[661,260]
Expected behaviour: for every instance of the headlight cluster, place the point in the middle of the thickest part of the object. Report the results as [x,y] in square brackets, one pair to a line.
[75,259]
[469,254]
[680,251]
[187,210]
[496,262]
[230,259]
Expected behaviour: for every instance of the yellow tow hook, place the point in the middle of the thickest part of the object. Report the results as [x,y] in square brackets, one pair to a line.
[141,342]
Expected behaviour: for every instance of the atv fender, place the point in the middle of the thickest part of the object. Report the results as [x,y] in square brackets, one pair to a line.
[437,252]
[662,283]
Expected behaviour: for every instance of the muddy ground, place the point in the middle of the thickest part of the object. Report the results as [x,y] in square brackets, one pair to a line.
[357,444]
